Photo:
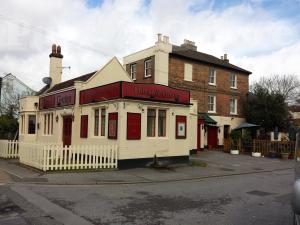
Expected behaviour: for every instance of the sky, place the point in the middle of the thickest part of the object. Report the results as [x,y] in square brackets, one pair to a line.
[262,36]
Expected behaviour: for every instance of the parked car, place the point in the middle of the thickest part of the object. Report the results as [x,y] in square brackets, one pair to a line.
[296,190]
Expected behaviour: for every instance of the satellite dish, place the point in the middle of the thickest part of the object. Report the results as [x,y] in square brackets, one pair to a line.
[47,80]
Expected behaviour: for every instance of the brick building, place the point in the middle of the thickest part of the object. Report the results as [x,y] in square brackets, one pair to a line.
[216,84]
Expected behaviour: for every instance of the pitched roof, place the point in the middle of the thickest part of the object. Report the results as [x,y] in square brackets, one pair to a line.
[67,83]
[205,58]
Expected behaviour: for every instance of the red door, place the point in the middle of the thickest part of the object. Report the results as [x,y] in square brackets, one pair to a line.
[212,137]
[67,130]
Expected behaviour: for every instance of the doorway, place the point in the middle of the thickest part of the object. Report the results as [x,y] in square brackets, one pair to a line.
[212,137]
[67,130]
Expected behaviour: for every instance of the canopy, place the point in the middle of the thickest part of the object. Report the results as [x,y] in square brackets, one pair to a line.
[246,125]
[207,118]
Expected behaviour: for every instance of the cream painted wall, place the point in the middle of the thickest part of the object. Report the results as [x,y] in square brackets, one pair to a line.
[161,52]
[221,121]
[110,73]
[55,70]
[147,146]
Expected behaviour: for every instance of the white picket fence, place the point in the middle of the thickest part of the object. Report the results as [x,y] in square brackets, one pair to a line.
[9,149]
[75,157]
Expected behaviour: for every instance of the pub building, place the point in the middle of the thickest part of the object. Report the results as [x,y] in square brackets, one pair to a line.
[107,107]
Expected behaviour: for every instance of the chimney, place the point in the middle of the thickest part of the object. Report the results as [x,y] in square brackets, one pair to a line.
[225,58]
[159,36]
[166,39]
[55,65]
[189,45]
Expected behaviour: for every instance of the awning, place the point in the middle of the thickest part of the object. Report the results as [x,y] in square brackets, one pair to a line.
[246,125]
[207,118]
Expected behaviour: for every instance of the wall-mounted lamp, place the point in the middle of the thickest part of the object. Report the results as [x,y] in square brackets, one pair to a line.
[56,118]
[202,127]
[219,130]
[36,105]
[205,129]
[232,118]
[38,126]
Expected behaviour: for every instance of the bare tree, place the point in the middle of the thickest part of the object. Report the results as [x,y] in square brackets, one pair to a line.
[286,85]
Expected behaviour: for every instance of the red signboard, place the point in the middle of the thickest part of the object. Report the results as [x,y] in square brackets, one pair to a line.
[58,100]
[155,92]
[99,94]
[146,92]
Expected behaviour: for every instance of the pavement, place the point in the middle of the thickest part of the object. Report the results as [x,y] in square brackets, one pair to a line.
[204,165]
[216,188]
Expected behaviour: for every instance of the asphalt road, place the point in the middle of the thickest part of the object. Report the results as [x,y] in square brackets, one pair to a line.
[259,198]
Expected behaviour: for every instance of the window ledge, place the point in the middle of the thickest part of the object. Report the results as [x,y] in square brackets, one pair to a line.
[235,88]
[212,84]
[188,80]
[212,112]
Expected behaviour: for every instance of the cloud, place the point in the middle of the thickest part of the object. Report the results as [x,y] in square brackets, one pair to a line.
[92,32]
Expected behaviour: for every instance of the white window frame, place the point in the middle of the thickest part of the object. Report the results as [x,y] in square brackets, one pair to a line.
[214,76]
[231,80]
[48,124]
[148,62]
[234,101]
[214,103]
[133,71]
[188,72]
[100,122]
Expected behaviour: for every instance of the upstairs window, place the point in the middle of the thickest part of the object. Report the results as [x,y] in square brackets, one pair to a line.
[188,72]
[148,68]
[133,71]
[233,106]
[233,81]
[48,124]
[211,103]
[212,76]
[31,124]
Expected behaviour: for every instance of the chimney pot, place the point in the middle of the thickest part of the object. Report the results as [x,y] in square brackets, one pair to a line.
[58,49]
[159,37]
[226,58]
[54,48]
[222,57]
[166,39]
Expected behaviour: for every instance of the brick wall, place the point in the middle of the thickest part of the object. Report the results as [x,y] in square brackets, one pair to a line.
[140,78]
[200,89]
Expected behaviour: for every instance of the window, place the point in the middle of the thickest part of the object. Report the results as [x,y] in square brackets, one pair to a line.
[233,106]
[133,126]
[180,127]
[113,125]
[96,122]
[133,71]
[188,72]
[31,124]
[84,126]
[211,103]
[212,76]
[151,117]
[161,123]
[103,115]
[148,68]
[48,124]
[232,80]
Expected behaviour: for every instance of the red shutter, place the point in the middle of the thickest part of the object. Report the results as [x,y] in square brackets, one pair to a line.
[133,126]
[84,126]
[180,127]
[113,125]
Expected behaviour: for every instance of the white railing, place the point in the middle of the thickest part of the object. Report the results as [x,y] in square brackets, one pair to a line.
[75,157]
[9,149]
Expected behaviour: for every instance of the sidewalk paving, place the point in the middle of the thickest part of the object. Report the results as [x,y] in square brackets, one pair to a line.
[206,164]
